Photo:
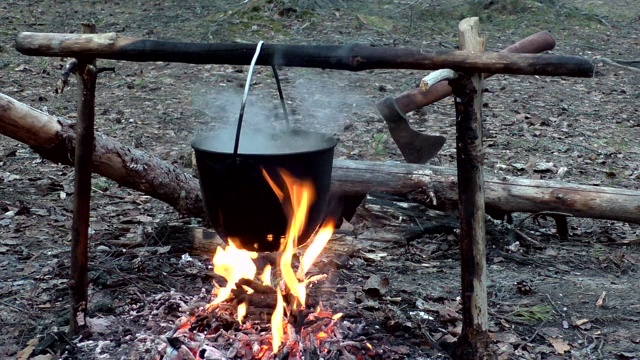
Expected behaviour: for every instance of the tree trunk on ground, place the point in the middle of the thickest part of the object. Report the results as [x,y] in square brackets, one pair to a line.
[436,186]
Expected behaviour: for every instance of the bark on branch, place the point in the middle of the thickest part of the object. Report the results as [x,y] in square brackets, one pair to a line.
[54,138]
[354,57]
[467,90]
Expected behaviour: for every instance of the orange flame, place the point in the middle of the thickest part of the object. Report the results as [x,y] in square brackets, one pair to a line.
[233,264]
[319,242]
[242,311]
[265,277]
[277,328]
[301,195]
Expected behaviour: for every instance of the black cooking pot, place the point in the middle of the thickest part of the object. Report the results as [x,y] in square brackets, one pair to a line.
[238,199]
[240,203]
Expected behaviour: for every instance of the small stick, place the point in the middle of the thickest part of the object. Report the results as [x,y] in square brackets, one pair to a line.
[528,238]
[554,305]
[532,336]
[69,68]
[256,286]
[560,218]
[613,63]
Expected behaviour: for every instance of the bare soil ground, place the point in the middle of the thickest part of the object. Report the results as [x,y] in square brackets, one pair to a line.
[544,300]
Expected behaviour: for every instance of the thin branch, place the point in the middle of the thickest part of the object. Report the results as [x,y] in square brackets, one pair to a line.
[616,64]
[542,213]
[69,69]
[628,62]
[529,239]
[603,21]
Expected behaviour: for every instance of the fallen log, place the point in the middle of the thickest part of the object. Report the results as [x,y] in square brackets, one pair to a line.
[54,139]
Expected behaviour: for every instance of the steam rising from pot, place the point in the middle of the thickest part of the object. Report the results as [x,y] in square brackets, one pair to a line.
[264,142]
[315,102]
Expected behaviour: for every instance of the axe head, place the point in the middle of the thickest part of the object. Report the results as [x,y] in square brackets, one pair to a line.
[416,147]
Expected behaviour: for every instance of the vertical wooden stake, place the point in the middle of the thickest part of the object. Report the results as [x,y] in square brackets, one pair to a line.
[467,89]
[86,75]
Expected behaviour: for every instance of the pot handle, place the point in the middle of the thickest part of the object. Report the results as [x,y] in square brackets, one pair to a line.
[247,85]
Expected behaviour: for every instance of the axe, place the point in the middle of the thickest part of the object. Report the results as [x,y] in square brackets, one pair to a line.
[416,147]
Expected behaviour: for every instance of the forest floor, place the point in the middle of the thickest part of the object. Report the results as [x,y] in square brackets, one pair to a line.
[561,299]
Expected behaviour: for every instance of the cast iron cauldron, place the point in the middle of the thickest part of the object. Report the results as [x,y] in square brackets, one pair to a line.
[238,199]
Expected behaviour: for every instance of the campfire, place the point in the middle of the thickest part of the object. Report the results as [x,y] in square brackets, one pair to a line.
[263,308]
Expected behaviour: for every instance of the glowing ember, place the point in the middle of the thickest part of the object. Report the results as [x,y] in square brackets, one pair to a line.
[235,264]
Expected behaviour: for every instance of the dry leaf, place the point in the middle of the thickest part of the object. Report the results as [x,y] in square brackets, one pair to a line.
[602,299]
[144,218]
[25,353]
[506,337]
[43,357]
[374,256]
[583,324]
[23,68]
[561,345]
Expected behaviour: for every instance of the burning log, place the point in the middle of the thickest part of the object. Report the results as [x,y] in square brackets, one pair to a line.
[54,139]
[293,318]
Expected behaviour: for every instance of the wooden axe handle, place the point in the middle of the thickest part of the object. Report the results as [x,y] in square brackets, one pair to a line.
[416,98]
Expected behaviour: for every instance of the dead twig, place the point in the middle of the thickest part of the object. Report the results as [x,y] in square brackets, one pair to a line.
[603,21]
[530,339]
[69,68]
[535,216]
[626,242]
[554,305]
[628,62]
[529,239]
[560,218]
[616,64]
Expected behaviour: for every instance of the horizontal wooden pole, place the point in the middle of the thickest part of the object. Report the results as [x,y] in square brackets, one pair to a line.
[353,57]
